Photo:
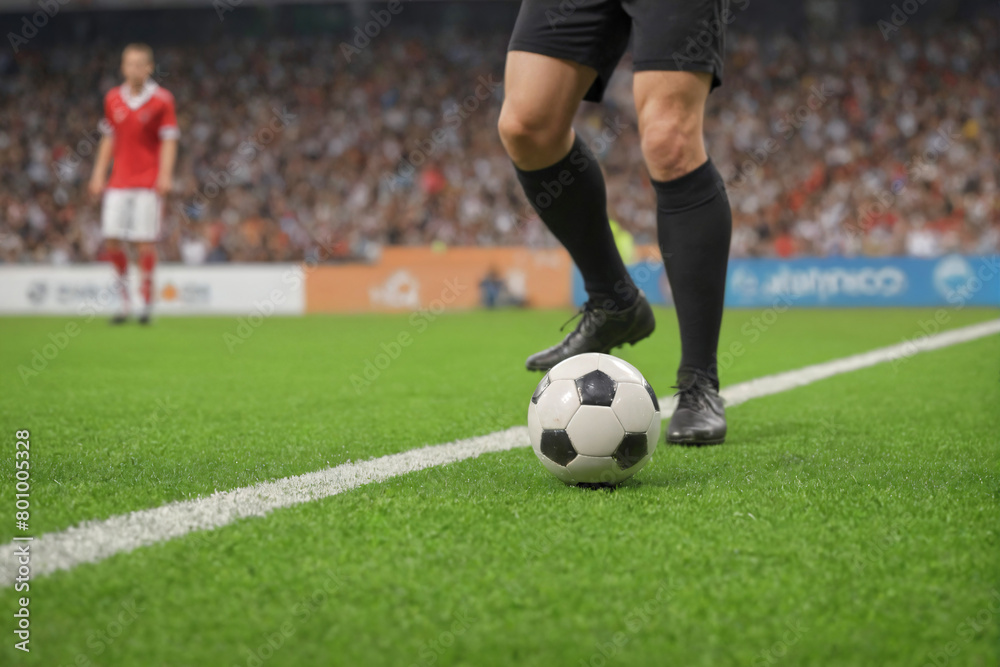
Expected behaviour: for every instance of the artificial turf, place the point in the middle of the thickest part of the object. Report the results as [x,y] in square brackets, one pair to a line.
[849,522]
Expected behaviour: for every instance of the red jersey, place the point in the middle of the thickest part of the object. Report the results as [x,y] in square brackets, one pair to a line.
[139,124]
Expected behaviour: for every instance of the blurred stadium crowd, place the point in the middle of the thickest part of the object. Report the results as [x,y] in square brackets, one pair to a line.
[855,144]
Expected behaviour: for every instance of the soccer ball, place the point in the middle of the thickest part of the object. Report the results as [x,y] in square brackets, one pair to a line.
[594,420]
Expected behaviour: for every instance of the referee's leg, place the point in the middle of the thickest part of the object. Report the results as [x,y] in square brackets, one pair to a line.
[671,110]
[694,226]
[541,96]
[564,184]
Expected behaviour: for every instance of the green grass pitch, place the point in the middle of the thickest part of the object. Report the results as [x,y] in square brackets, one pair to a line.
[849,522]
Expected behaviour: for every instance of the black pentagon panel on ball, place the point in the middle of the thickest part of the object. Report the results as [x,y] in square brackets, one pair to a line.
[542,386]
[557,447]
[652,395]
[631,450]
[596,388]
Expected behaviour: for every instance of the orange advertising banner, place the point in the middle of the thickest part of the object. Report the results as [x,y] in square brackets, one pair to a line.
[411,278]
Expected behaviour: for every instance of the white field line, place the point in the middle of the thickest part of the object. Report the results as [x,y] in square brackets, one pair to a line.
[95,540]
[773,384]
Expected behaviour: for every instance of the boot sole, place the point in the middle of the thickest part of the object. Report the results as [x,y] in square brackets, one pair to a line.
[696,443]
[632,342]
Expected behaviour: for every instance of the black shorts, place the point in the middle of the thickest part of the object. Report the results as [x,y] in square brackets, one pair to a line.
[673,35]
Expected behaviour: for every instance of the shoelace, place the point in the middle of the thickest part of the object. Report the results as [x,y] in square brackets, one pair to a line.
[691,394]
[587,308]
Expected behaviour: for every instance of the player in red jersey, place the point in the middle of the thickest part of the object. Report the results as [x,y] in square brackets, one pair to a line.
[140,134]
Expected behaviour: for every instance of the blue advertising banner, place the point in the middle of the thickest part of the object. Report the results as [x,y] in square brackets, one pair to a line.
[954,280]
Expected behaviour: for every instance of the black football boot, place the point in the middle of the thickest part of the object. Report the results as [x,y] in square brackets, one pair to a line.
[600,330]
[700,417]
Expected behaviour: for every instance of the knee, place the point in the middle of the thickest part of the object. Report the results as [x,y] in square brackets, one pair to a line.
[530,137]
[672,147]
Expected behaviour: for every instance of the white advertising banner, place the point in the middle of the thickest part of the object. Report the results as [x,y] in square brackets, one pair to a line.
[89,289]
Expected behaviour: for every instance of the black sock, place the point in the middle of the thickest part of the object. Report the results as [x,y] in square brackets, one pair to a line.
[571,199]
[695,224]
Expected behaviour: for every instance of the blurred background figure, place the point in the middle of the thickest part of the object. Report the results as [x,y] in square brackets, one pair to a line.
[139,143]
[497,292]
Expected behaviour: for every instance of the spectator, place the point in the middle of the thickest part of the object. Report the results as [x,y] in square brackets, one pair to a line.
[845,145]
